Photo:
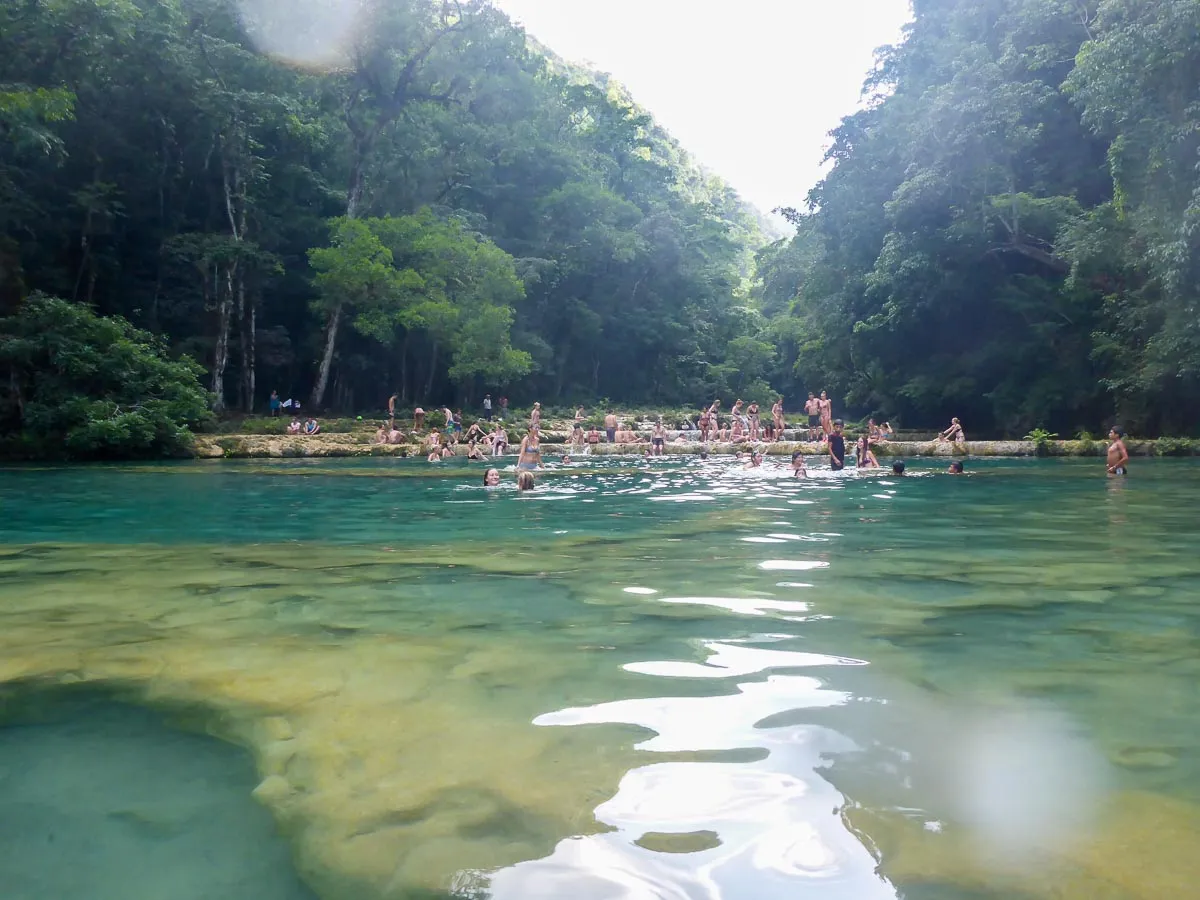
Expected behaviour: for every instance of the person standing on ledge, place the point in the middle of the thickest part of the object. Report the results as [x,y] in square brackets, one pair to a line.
[1118,456]
[826,414]
[837,447]
[812,407]
[487,407]
[610,426]
[777,418]
[276,403]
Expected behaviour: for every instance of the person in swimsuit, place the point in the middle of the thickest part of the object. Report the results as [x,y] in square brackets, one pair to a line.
[610,427]
[826,414]
[799,470]
[418,419]
[381,436]
[755,461]
[1118,455]
[392,410]
[812,408]
[474,453]
[658,437]
[435,440]
[956,468]
[593,438]
[886,432]
[705,423]
[953,433]
[491,478]
[529,457]
[752,420]
[577,436]
[837,448]
[898,467]
[579,416]
[499,441]
[735,432]
[866,458]
[777,418]
[535,417]
[395,436]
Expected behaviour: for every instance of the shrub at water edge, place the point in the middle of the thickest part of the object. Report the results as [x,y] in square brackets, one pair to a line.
[82,386]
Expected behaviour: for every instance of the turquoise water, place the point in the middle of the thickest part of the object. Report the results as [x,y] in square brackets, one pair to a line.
[666,679]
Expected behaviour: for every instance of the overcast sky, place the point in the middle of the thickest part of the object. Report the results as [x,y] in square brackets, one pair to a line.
[750,88]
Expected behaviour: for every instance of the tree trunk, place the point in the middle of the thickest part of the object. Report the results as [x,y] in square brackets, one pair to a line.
[331,333]
[404,368]
[432,372]
[221,352]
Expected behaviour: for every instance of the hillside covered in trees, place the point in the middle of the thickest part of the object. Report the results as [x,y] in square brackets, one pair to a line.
[417,198]
[428,203]
[1010,231]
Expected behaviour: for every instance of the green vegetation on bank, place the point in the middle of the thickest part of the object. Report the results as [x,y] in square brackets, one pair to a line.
[441,208]
[1008,230]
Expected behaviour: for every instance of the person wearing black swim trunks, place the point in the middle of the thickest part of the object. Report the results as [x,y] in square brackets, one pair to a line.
[1118,456]
[813,408]
[658,437]
[837,448]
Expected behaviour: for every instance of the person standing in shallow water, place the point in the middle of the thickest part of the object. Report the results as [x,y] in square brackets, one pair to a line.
[837,448]
[1118,455]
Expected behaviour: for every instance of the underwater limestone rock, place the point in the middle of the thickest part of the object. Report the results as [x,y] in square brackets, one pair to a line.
[1142,848]
[369,745]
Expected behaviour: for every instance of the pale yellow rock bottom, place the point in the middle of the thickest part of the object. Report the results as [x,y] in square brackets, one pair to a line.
[395,762]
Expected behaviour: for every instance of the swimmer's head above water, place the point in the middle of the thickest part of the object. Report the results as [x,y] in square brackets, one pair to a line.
[491,477]
[525,481]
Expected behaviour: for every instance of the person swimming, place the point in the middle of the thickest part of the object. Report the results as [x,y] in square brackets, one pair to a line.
[799,470]
[898,467]
[525,481]
[956,468]
[491,478]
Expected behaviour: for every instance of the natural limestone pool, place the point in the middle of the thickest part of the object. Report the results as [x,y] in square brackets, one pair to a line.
[361,679]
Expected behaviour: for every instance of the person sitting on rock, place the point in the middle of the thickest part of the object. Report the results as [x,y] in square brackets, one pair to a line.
[295,427]
[395,436]
[381,436]
[311,427]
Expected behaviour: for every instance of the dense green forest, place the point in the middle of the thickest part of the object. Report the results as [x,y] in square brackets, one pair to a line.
[1010,229]
[429,204]
[340,201]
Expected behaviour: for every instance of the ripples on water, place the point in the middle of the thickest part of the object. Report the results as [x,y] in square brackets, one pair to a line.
[845,686]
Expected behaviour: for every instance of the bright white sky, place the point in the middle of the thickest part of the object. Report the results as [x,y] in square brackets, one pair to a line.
[751,88]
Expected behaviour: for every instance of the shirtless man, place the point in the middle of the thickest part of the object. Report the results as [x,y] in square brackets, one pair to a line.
[658,437]
[826,414]
[777,418]
[381,436]
[1118,456]
[610,427]
[392,410]
[812,408]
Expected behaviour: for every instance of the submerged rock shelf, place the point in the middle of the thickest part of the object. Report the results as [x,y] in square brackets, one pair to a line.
[360,445]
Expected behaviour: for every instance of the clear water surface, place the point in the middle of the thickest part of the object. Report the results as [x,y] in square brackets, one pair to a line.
[675,679]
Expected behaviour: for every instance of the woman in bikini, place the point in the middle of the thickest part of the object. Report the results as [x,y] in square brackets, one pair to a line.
[752,420]
[529,457]
[777,418]
[866,457]
[954,433]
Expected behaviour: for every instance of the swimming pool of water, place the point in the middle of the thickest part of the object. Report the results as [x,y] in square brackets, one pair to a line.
[672,679]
